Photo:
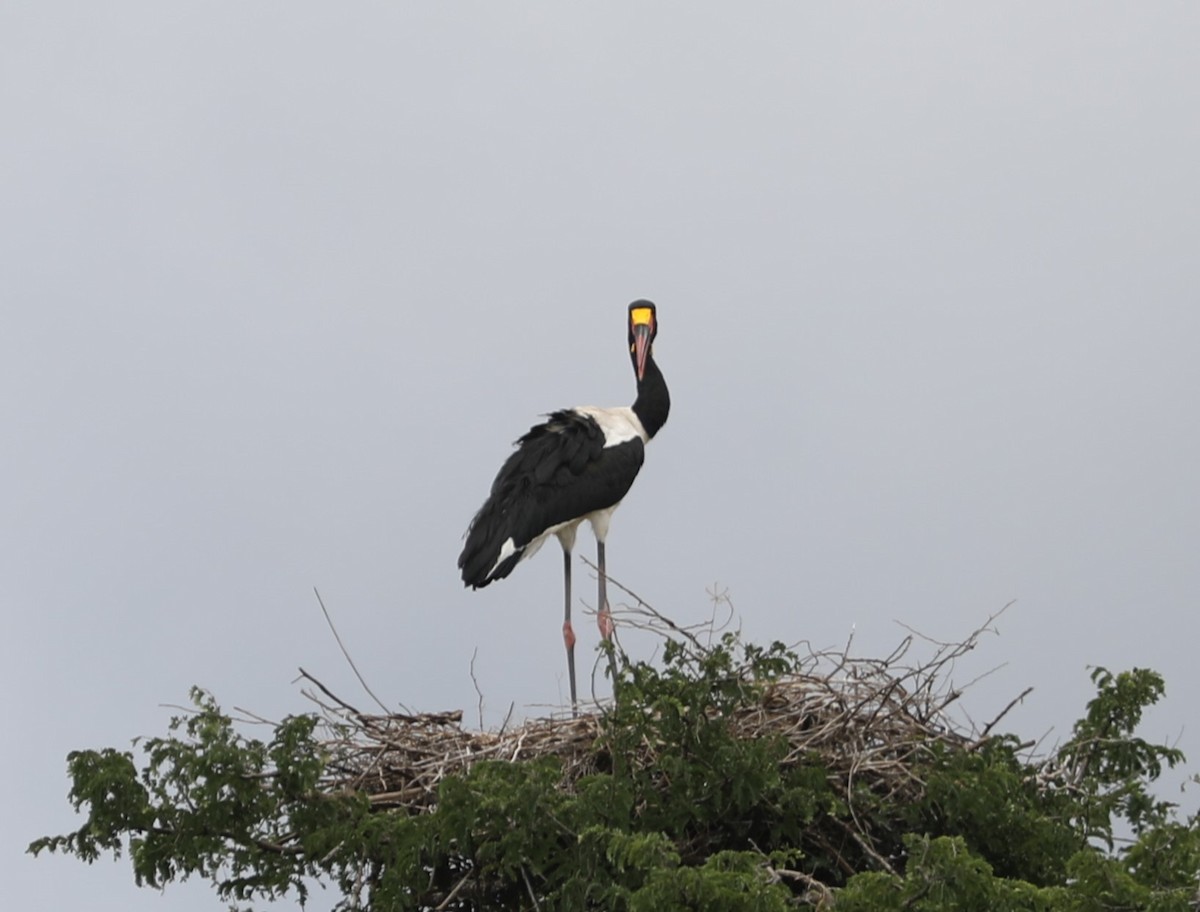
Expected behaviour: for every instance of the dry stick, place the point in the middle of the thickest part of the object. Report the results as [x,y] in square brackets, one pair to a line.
[345,652]
[978,678]
[529,887]
[336,699]
[252,717]
[824,894]
[865,845]
[969,643]
[717,598]
[974,745]
[475,683]
[507,717]
[643,604]
[445,903]
[899,652]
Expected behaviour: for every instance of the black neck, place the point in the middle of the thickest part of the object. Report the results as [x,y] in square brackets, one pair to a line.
[653,401]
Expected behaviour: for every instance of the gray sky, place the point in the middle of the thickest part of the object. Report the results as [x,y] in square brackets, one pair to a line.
[282,281]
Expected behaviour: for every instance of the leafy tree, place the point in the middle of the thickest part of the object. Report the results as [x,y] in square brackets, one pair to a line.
[729,777]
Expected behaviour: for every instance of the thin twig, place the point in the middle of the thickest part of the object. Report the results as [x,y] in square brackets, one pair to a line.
[346,653]
[529,887]
[643,604]
[325,690]
[445,903]
[824,895]
[475,682]
[1004,712]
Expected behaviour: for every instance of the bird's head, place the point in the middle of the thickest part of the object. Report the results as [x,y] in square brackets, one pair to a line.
[643,327]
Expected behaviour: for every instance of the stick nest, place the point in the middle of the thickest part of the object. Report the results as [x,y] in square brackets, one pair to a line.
[865,720]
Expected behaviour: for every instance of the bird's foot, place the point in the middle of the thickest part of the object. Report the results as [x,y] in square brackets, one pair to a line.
[568,634]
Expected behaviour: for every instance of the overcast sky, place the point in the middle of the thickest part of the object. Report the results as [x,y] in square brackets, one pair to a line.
[281,282]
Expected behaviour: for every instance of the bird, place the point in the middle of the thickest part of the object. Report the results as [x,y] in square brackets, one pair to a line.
[576,465]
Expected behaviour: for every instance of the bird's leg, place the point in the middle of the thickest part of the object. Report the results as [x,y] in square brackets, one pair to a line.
[604,616]
[568,630]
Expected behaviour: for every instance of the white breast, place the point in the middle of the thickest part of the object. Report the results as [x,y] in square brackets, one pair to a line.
[619,425]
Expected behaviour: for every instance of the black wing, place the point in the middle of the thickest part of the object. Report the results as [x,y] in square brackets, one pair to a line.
[560,471]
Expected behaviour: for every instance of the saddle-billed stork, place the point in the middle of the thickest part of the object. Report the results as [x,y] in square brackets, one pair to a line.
[577,465]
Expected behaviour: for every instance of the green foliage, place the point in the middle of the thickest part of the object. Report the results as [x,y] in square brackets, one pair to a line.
[211,802]
[703,784]
[942,875]
[990,800]
[681,813]
[1108,765]
[725,882]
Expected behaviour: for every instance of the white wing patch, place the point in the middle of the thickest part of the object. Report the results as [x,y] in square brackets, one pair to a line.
[507,550]
[620,425]
[564,530]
